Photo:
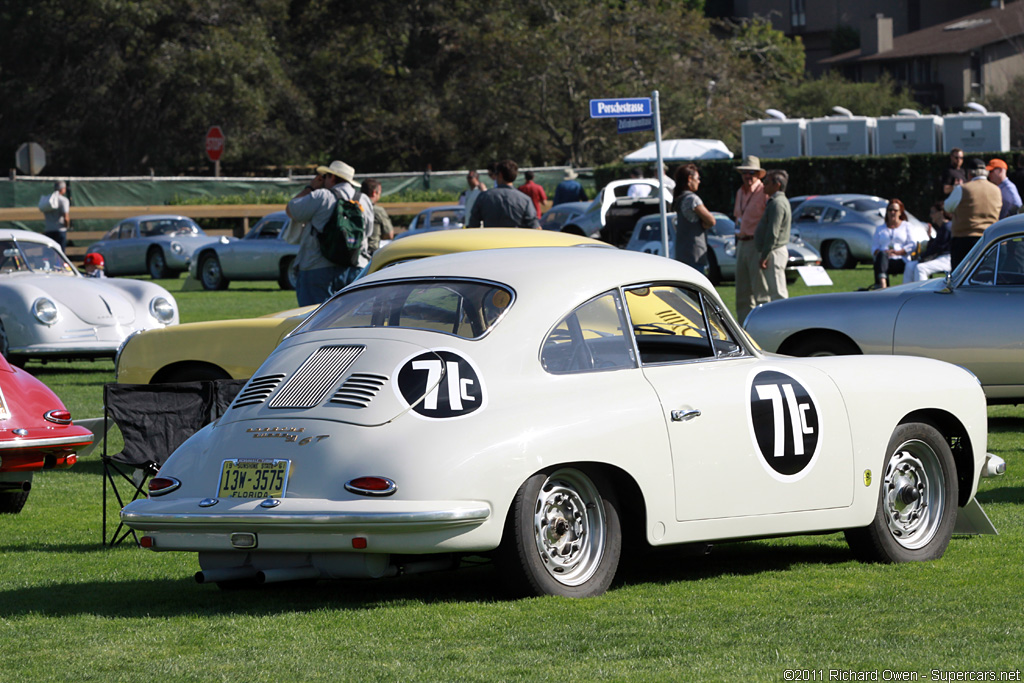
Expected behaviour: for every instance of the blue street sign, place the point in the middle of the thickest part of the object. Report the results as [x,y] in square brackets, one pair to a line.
[635,125]
[620,108]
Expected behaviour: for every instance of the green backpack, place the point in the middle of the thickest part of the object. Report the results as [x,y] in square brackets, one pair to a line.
[341,239]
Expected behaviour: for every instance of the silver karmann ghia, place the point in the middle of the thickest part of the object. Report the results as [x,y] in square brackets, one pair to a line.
[538,406]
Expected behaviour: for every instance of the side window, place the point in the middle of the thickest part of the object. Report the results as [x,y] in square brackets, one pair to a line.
[1002,265]
[809,214]
[592,338]
[270,230]
[833,216]
[126,231]
[673,324]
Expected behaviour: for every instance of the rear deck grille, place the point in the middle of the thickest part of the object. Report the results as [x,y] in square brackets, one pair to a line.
[359,389]
[315,377]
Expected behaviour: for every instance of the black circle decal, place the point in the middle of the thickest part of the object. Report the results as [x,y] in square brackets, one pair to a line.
[785,421]
[440,384]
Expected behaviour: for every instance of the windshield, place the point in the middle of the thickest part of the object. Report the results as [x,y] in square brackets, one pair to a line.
[465,309]
[27,257]
[168,226]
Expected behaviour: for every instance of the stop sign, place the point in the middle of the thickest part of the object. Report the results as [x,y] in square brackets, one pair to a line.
[214,143]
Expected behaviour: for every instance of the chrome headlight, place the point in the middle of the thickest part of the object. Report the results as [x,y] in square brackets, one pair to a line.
[176,248]
[45,311]
[162,309]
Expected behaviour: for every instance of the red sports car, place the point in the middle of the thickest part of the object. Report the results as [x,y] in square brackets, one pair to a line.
[36,433]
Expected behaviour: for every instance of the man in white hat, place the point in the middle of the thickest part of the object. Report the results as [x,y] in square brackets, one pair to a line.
[747,210]
[314,205]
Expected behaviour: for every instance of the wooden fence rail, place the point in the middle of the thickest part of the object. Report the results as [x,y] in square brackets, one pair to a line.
[78,241]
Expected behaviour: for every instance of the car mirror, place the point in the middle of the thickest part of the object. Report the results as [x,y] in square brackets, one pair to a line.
[947,284]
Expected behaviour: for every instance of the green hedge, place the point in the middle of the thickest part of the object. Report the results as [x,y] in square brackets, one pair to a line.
[912,178]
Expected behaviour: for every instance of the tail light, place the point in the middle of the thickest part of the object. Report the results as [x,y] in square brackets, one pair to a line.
[159,486]
[61,417]
[371,486]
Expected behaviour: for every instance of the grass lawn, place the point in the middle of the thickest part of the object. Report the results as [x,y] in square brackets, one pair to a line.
[71,610]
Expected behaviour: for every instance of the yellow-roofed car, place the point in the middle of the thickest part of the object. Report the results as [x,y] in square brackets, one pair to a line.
[233,349]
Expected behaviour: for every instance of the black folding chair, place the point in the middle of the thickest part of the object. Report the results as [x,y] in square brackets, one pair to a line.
[154,420]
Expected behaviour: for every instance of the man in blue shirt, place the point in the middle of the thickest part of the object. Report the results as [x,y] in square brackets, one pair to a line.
[997,170]
[569,190]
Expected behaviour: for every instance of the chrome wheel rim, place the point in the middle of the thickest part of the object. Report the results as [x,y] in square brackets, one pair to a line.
[211,272]
[838,253]
[570,527]
[912,490]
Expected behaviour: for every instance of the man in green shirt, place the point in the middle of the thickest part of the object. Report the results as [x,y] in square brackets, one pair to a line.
[771,239]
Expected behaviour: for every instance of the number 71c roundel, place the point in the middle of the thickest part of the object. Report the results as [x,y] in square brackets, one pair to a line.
[440,385]
[786,425]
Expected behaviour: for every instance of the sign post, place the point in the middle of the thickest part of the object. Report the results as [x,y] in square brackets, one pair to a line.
[634,114]
[215,148]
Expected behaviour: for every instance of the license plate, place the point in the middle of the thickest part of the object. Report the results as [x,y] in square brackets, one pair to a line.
[252,478]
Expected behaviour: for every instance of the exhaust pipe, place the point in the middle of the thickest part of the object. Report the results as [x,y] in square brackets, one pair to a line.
[228,574]
[15,486]
[287,574]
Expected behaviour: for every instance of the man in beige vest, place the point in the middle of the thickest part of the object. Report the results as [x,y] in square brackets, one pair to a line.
[974,205]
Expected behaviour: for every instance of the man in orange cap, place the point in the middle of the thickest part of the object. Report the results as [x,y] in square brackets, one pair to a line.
[997,170]
[93,265]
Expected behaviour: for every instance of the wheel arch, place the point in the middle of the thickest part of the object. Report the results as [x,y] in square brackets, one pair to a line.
[795,340]
[192,370]
[956,435]
[632,503]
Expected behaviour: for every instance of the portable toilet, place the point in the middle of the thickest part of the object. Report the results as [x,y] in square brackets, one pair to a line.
[777,137]
[843,135]
[908,133]
[977,131]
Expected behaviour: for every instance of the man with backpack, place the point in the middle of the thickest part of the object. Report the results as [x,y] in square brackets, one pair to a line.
[333,245]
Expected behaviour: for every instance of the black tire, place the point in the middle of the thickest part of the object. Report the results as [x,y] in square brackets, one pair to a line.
[288,278]
[823,345]
[563,535]
[917,500]
[573,230]
[11,503]
[156,264]
[836,255]
[714,272]
[210,273]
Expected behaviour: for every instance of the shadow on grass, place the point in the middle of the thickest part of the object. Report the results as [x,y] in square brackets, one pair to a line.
[477,581]
[1005,494]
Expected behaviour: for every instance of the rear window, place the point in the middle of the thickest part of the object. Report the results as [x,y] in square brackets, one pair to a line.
[866,205]
[462,308]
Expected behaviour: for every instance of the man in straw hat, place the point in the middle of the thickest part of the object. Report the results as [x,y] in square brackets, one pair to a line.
[569,190]
[748,209]
[314,206]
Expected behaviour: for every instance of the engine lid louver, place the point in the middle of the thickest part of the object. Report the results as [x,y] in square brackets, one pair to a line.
[359,389]
[318,375]
[257,390]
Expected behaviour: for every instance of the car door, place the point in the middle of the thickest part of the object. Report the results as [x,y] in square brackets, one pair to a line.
[979,324]
[806,221]
[256,255]
[749,436]
[133,244]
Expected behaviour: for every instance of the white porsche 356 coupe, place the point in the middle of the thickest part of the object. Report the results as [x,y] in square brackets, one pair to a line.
[49,310]
[538,405]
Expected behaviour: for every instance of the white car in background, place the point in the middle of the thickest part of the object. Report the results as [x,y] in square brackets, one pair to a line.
[160,246]
[49,310]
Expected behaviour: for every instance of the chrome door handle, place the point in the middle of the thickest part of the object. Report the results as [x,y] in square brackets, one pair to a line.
[684,415]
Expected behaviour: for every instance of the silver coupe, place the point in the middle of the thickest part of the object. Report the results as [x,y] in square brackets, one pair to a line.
[261,255]
[160,246]
[971,318]
[841,226]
